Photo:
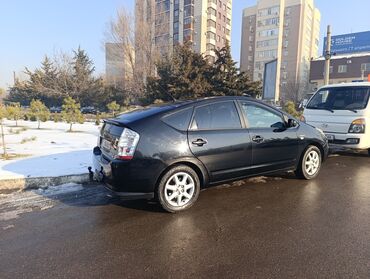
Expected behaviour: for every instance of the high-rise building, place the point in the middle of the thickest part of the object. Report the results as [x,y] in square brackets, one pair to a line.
[286,30]
[117,67]
[206,24]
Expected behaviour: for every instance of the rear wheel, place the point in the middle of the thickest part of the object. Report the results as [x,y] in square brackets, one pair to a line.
[310,163]
[178,189]
[368,151]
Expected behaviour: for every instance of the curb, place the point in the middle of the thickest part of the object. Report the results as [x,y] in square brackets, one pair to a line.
[41,182]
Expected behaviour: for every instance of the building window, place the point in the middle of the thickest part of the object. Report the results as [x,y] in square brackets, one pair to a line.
[211,35]
[285,53]
[268,33]
[250,58]
[212,23]
[342,69]
[250,48]
[218,38]
[250,38]
[210,47]
[212,11]
[365,67]
[331,69]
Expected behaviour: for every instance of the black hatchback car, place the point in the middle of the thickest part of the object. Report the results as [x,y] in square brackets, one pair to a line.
[171,151]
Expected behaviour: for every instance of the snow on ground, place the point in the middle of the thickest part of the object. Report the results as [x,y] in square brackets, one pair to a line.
[52,152]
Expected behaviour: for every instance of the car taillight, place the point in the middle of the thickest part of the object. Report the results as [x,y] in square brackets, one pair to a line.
[127,144]
[357,126]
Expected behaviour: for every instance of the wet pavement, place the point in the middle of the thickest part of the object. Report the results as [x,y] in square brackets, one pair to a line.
[275,227]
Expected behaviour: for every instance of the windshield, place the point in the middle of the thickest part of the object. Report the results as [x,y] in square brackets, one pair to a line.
[340,98]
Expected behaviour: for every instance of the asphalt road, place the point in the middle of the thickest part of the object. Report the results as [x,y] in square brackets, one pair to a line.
[276,227]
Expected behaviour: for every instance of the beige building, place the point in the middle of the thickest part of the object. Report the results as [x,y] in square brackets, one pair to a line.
[206,24]
[117,68]
[286,30]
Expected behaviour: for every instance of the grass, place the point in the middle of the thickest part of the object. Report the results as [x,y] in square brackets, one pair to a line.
[24,140]
[17,131]
[11,156]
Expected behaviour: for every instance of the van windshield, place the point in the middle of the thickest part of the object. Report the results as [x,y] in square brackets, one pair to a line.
[340,98]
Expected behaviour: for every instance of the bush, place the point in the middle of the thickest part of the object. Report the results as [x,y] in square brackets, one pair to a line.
[57,117]
[290,108]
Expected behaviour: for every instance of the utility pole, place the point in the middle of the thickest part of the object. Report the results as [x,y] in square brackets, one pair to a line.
[327,57]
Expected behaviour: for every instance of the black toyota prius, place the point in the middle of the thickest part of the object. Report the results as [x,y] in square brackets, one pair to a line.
[171,151]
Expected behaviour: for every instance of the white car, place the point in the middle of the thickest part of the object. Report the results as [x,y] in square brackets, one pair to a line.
[342,112]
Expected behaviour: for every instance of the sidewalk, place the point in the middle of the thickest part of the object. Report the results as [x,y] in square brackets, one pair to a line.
[46,157]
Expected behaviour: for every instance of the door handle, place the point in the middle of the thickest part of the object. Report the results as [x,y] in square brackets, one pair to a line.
[258,139]
[199,142]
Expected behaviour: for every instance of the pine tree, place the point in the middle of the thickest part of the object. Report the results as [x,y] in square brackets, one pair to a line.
[226,78]
[183,75]
[113,108]
[71,112]
[83,80]
[15,112]
[39,111]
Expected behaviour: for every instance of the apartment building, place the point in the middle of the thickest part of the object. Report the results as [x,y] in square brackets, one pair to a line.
[205,24]
[285,30]
[117,67]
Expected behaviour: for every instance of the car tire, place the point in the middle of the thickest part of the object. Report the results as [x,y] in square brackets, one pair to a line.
[178,189]
[368,152]
[310,163]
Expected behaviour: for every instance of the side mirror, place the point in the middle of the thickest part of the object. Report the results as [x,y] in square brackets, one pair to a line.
[292,123]
[279,126]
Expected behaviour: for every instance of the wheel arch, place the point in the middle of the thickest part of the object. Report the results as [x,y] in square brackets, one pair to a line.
[196,166]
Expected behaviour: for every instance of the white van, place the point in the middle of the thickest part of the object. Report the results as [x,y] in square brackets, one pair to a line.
[342,111]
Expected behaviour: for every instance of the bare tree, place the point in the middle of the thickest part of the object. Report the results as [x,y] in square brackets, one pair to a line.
[134,37]
[293,90]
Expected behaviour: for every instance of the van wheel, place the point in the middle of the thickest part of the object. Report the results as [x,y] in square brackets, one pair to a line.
[178,189]
[368,151]
[310,163]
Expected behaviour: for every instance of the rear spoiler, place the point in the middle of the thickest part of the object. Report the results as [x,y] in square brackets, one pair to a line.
[115,122]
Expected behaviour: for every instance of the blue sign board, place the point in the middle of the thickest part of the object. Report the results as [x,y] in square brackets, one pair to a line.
[349,43]
[269,81]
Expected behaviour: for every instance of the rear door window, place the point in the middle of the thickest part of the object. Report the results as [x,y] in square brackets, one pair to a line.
[222,115]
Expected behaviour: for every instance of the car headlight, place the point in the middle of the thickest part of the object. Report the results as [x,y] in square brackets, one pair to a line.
[357,126]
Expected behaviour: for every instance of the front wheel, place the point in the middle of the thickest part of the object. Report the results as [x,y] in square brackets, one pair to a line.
[178,189]
[310,163]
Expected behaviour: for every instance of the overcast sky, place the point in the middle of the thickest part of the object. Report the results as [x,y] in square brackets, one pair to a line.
[31,29]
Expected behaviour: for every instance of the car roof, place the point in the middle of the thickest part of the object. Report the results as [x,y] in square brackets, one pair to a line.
[160,109]
[347,84]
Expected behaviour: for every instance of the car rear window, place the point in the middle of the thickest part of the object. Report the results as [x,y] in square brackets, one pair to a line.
[216,116]
[180,119]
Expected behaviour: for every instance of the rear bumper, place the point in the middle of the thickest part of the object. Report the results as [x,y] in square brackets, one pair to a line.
[130,179]
[350,141]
